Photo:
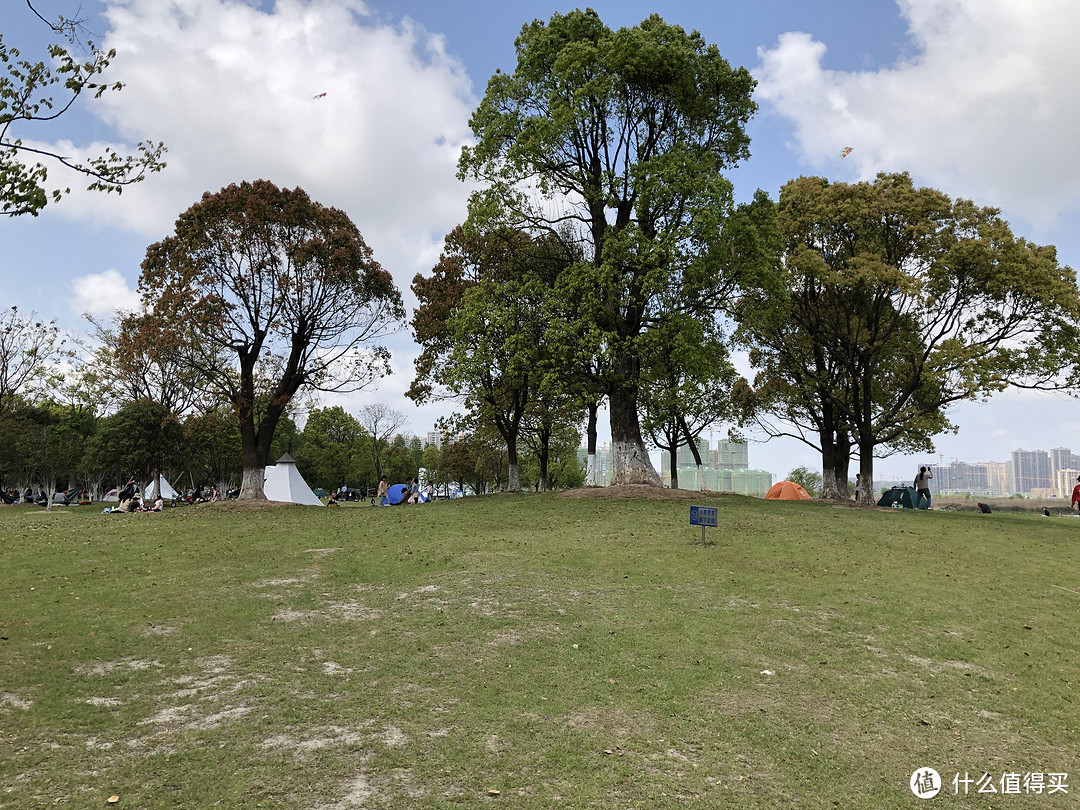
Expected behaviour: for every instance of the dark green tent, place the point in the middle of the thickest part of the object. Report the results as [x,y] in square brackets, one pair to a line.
[906,497]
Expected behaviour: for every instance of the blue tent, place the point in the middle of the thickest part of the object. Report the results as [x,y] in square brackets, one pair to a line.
[396,495]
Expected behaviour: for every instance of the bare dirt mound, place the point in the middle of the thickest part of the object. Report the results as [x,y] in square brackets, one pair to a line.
[635,491]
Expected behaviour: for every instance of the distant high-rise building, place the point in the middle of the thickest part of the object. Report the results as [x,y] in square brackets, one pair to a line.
[1030,470]
[997,478]
[1061,458]
[732,456]
[960,478]
[1064,482]
[434,437]
[685,455]
[726,469]
[605,463]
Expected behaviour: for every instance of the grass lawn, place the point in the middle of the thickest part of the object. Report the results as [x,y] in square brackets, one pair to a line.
[566,652]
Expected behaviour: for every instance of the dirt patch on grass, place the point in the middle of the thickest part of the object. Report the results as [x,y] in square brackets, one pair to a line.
[11,699]
[301,744]
[612,722]
[125,665]
[635,491]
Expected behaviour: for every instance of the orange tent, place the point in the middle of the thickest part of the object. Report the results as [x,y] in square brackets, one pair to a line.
[787,491]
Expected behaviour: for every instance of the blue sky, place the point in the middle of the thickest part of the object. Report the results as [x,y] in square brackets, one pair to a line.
[974,97]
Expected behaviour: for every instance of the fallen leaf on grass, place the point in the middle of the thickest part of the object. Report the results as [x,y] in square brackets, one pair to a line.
[112,800]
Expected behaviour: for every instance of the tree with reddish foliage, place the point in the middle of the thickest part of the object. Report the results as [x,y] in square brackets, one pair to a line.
[269,293]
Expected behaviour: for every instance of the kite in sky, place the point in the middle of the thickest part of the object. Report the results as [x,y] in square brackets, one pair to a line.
[847,151]
[321,95]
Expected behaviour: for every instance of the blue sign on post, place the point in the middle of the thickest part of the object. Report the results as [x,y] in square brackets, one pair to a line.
[703,516]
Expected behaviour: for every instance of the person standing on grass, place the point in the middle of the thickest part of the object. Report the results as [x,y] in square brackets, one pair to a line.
[1076,494]
[383,493]
[922,484]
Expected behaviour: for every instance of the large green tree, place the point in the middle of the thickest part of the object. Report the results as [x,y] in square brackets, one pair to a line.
[482,323]
[143,439]
[335,450]
[624,136]
[50,444]
[33,94]
[903,302]
[212,449]
[269,293]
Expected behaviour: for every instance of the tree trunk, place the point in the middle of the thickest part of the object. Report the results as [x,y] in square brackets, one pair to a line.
[835,456]
[829,489]
[866,474]
[866,470]
[513,483]
[841,462]
[545,442]
[632,464]
[591,470]
[674,467]
[251,486]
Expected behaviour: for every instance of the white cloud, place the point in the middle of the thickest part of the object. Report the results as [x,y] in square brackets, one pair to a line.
[987,109]
[103,294]
[231,91]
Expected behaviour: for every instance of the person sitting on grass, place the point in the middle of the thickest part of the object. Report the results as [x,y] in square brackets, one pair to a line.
[129,498]
[129,506]
[128,492]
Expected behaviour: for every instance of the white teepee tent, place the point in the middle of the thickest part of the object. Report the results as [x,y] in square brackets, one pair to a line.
[149,492]
[283,482]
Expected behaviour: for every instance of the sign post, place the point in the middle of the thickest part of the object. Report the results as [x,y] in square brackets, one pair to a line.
[703,516]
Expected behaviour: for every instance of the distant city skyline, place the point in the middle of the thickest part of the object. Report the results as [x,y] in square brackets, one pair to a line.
[1034,473]
[725,468]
